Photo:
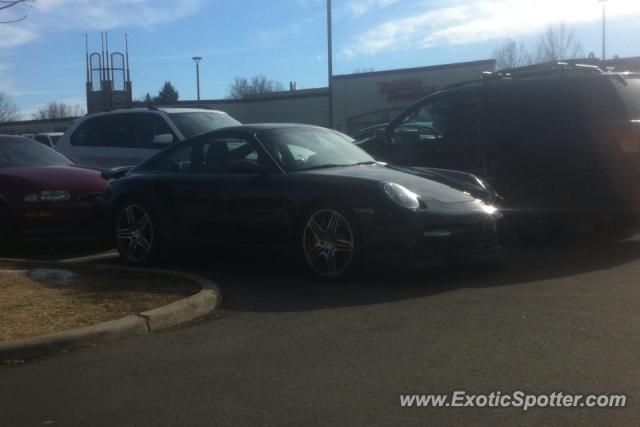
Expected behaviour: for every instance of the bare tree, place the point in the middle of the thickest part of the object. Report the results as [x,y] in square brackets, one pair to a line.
[242,87]
[558,42]
[511,55]
[8,111]
[5,5]
[58,110]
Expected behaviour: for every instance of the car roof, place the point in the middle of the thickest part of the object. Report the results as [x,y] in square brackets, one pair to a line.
[173,110]
[538,73]
[168,110]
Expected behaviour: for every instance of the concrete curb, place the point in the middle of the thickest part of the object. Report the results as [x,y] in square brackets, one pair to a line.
[194,307]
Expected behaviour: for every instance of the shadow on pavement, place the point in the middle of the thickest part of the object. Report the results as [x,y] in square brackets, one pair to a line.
[257,281]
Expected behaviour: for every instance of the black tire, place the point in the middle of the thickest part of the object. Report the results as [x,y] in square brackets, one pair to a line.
[328,242]
[136,233]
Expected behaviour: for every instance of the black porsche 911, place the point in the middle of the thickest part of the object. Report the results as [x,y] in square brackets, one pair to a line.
[303,188]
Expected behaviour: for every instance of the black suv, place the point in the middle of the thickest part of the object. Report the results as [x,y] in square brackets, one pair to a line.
[561,144]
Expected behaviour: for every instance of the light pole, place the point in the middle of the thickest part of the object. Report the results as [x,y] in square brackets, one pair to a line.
[197,60]
[330,60]
[604,29]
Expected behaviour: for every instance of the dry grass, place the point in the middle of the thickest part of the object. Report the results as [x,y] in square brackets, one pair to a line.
[37,304]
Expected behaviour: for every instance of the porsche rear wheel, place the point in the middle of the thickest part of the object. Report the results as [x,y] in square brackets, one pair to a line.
[136,234]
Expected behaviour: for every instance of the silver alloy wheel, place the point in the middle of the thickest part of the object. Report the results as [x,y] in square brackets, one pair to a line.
[134,233]
[328,243]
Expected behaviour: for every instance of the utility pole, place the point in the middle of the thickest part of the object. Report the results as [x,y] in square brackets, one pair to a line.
[197,60]
[604,29]
[330,60]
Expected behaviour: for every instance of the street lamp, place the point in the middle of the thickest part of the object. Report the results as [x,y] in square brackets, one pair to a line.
[330,60]
[604,28]
[197,60]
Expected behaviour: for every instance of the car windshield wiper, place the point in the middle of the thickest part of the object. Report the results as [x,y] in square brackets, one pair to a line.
[336,165]
[325,166]
[368,162]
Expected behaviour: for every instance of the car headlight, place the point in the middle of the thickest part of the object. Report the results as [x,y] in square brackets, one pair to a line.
[48,196]
[487,208]
[401,195]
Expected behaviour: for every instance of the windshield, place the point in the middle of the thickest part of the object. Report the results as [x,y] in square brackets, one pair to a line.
[18,152]
[195,123]
[298,149]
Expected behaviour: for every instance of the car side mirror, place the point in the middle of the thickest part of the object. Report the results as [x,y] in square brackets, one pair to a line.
[163,139]
[115,173]
[248,167]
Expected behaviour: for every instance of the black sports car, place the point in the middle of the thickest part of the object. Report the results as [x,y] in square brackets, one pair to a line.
[305,188]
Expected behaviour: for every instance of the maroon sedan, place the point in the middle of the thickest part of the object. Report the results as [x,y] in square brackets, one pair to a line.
[42,193]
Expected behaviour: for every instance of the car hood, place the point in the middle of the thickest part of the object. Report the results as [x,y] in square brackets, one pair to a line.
[77,180]
[429,187]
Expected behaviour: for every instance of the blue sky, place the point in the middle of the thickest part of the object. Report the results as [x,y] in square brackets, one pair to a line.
[42,57]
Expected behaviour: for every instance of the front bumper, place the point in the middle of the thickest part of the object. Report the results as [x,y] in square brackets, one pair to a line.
[426,238]
[65,219]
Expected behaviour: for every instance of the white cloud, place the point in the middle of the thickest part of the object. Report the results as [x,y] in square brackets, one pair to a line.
[13,35]
[460,21]
[48,16]
[361,7]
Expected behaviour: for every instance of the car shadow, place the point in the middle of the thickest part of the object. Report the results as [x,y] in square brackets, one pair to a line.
[255,282]
[259,281]
[50,249]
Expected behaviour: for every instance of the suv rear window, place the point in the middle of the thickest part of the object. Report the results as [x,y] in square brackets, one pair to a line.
[599,100]
[130,130]
[117,130]
[531,107]
[630,94]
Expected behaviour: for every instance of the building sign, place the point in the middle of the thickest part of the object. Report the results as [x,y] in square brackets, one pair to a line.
[404,90]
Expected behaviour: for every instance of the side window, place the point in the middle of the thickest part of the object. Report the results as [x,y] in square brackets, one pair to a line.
[177,160]
[43,140]
[428,123]
[532,108]
[217,155]
[149,127]
[87,134]
[119,130]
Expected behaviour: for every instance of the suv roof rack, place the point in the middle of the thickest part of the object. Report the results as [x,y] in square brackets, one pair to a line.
[531,71]
[550,68]
[129,107]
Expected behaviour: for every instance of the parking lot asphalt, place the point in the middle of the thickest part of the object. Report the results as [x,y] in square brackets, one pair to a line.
[283,350]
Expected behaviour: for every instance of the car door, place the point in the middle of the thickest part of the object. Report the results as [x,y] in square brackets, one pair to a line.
[531,156]
[241,178]
[442,132]
[194,200]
